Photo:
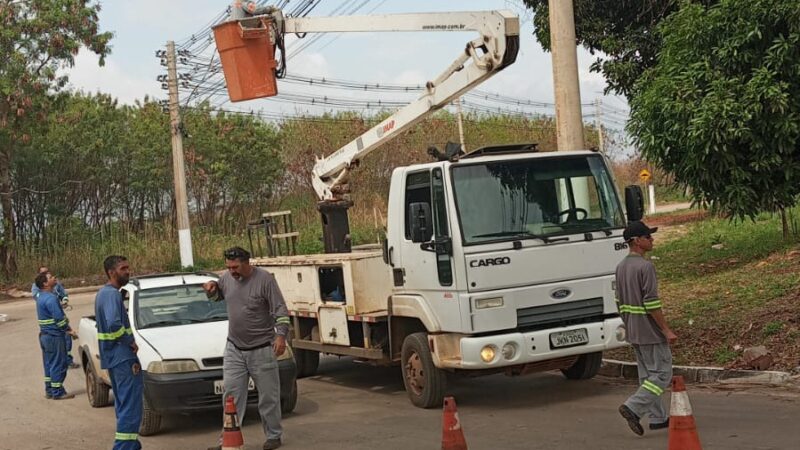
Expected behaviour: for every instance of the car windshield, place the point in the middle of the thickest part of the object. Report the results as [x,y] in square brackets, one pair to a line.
[535,198]
[177,305]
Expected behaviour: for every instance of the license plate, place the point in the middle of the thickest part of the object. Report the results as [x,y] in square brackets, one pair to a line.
[219,386]
[569,338]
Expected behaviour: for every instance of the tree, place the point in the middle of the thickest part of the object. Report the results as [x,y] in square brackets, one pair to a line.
[721,108]
[36,39]
[622,29]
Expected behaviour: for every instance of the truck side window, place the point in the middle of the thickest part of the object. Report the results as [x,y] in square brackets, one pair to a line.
[418,190]
[444,266]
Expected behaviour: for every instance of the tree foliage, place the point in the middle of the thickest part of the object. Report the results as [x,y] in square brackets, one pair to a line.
[721,108]
[624,30]
[37,38]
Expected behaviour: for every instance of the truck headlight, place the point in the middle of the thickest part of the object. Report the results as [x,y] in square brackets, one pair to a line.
[487,353]
[176,366]
[494,302]
[509,351]
[620,334]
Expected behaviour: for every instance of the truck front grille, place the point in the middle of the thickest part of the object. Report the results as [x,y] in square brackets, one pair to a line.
[561,314]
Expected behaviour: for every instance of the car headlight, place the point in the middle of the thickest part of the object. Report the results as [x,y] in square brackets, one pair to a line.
[176,366]
[488,353]
[483,303]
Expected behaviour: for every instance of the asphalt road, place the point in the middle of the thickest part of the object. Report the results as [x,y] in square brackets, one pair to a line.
[352,406]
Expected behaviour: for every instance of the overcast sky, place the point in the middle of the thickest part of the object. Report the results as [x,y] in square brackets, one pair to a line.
[141,27]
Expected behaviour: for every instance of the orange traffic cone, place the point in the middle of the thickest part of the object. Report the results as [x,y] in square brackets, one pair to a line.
[231,434]
[682,429]
[452,436]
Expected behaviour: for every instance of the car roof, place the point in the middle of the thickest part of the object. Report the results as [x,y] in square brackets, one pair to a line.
[169,279]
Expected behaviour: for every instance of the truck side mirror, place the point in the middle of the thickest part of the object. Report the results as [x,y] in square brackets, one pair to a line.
[420,220]
[634,203]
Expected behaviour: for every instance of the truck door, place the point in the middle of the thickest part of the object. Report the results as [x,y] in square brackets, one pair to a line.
[426,268]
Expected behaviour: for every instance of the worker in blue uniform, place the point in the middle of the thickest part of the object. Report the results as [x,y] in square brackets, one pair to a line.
[52,328]
[63,299]
[118,353]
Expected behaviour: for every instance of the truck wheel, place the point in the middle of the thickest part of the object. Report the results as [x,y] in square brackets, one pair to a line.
[288,403]
[307,362]
[96,390]
[151,419]
[425,383]
[585,367]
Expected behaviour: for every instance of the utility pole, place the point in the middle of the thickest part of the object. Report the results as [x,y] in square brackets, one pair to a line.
[178,170]
[569,122]
[460,125]
[599,124]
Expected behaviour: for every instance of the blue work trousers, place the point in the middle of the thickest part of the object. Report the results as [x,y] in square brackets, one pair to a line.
[54,356]
[68,348]
[127,383]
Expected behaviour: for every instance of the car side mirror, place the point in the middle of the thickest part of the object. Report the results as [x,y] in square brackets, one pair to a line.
[420,220]
[634,203]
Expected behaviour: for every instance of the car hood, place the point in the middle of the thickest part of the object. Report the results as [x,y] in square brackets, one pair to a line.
[195,341]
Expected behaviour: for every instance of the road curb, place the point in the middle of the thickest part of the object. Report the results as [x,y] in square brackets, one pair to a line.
[628,370]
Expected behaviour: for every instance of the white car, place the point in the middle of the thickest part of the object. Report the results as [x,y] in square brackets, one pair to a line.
[181,338]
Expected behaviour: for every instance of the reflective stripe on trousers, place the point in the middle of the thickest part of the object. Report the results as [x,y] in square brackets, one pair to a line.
[127,384]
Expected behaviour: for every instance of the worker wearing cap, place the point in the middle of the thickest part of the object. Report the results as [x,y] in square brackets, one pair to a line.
[63,300]
[52,329]
[647,330]
[118,353]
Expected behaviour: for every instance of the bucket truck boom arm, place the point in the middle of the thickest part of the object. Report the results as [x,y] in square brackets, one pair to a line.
[494,49]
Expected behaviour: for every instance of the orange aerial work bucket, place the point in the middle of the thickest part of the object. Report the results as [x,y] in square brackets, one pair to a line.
[248,59]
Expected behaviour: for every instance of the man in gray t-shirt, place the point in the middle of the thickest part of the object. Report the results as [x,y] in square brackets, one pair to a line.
[647,330]
[258,322]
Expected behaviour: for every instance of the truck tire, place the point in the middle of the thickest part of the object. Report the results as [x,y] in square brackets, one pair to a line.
[307,362]
[425,383]
[151,419]
[288,403]
[585,367]
[96,390]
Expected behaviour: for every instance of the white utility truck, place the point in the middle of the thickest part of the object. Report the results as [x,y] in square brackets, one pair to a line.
[499,260]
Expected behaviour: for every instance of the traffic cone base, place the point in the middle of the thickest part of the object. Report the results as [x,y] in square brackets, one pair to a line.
[682,428]
[232,438]
[452,434]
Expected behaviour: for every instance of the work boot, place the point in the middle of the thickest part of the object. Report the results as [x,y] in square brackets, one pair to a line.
[632,418]
[48,396]
[272,444]
[64,396]
[659,425]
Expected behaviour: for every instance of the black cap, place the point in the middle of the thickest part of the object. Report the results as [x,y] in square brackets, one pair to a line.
[637,229]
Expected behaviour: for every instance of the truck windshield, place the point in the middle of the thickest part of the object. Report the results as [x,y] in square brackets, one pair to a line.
[535,198]
[176,305]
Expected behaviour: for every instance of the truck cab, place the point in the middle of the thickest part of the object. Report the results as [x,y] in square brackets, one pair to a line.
[512,251]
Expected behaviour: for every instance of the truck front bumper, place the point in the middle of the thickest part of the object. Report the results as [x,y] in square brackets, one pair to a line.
[194,391]
[528,347]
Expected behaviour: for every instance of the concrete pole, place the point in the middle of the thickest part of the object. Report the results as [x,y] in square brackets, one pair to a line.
[178,170]
[460,125]
[569,123]
[569,119]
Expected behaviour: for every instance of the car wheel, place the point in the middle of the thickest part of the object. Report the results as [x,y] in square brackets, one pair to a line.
[289,402]
[151,419]
[96,390]
[585,367]
[425,383]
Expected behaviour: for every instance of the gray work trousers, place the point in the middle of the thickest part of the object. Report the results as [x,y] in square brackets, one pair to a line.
[655,374]
[262,366]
